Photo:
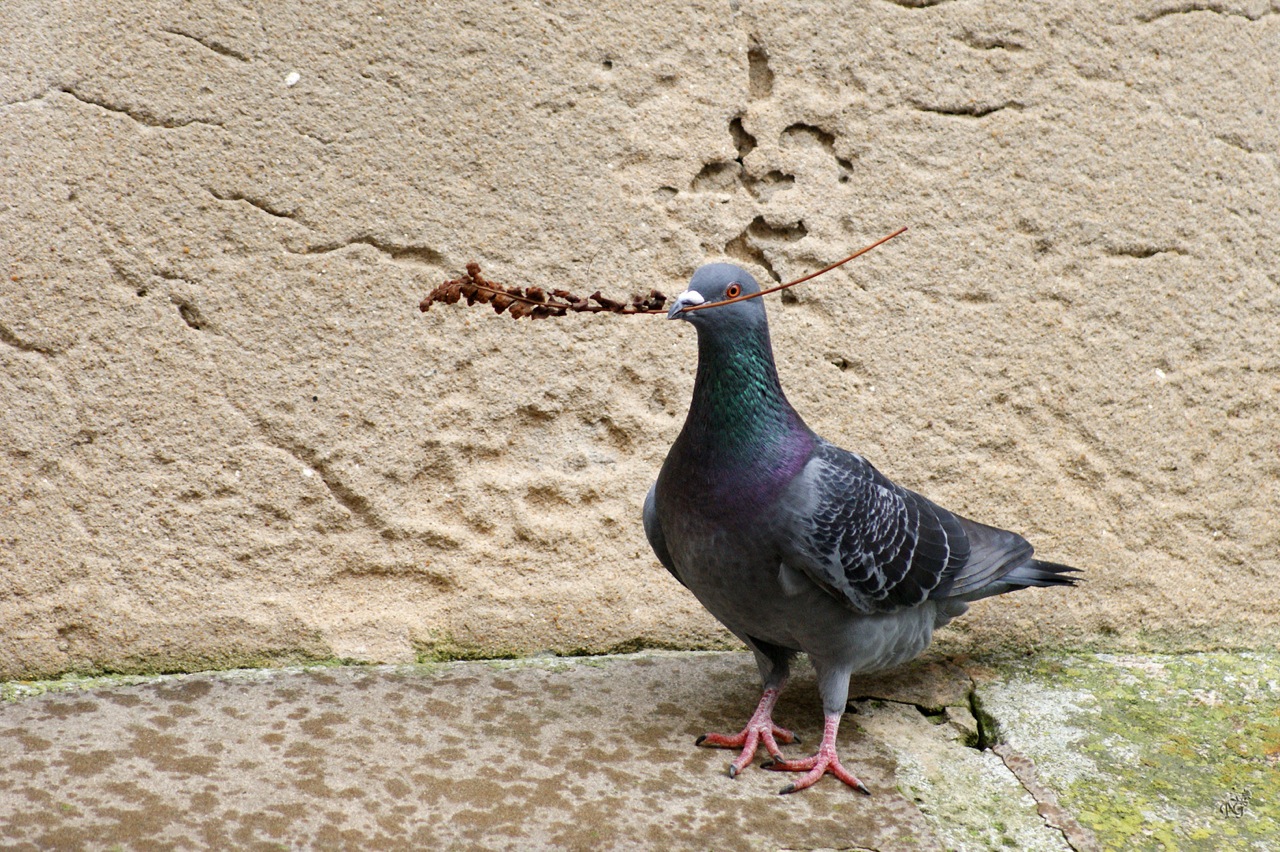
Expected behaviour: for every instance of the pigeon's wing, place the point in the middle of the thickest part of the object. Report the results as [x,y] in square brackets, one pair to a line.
[879,547]
[653,531]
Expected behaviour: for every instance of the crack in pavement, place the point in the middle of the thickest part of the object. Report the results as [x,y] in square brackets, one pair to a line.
[1055,816]
[989,736]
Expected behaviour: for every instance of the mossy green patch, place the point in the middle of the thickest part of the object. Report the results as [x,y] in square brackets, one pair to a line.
[448,649]
[156,665]
[17,690]
[1153,751]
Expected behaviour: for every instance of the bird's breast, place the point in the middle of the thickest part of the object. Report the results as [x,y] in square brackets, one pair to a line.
[728,483]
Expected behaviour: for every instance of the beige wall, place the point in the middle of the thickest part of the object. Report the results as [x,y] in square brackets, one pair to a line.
[228,435]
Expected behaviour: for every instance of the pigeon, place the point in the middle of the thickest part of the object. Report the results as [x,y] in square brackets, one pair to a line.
[798,546]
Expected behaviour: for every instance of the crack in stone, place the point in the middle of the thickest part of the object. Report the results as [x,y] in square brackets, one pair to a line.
[399,252]
[987,737]
[357,504]
[130,277]
[969,110]
[981,41]
[991,738]
[141,282]
[723,176]
[1142,252]
[265,206]
[1212,8]
[146,119]
[742,249]
[1054,815]
[208,44]
[988,733]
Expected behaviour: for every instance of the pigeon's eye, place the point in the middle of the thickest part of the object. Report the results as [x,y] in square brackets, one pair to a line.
[732,291]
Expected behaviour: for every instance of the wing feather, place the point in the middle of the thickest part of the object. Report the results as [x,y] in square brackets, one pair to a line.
[880,547]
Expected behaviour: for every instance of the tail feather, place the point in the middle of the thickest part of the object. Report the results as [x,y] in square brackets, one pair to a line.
[1033,572]
[1038,572]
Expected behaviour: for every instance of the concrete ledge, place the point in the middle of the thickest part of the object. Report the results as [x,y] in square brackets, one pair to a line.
[1057,752]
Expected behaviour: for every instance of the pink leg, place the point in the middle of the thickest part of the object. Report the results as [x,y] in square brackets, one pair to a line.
[760,729]
[821,763]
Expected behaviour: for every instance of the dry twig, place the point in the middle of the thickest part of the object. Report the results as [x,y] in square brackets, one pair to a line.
[537,303]
[534,302]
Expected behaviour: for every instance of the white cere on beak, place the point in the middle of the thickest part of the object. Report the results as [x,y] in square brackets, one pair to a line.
[686,299]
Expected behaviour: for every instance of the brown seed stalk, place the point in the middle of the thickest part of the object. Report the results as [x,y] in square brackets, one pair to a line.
[537,303]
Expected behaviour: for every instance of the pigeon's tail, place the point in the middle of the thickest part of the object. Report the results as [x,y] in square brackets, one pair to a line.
[1040,573]
[1033,572]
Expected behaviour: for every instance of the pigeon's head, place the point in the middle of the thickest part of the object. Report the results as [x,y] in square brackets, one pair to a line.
[719,282]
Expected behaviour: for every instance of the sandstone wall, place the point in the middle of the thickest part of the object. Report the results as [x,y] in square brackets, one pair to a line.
[228,435]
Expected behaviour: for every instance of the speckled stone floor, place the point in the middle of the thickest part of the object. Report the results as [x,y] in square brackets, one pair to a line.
[1056,752]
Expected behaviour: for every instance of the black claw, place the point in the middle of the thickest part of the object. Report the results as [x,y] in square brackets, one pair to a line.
[790,788]
[862,788]
[700,740]
[733,771]
[796,739]
[768,764]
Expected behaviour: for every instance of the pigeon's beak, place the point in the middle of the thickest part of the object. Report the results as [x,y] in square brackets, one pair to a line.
[686,299]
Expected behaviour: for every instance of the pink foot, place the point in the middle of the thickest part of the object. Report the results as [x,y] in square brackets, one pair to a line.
[820,764]
[760,729]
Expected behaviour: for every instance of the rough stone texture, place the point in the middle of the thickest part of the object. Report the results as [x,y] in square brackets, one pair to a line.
[228,436]
[1086,752]
[543,755]
[969,798]
[1150,751]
